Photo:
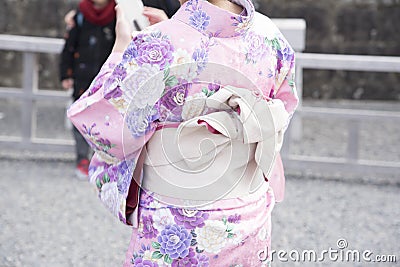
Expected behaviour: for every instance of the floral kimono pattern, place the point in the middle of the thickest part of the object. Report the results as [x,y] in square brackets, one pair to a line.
[165,77]
[213,236]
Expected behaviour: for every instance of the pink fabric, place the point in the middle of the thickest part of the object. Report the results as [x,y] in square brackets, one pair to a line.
[209,127]
[222,232]
[277,180]
[165,77]
[167,125]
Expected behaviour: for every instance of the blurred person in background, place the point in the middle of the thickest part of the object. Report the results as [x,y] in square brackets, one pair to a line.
[154,10]
[89,40]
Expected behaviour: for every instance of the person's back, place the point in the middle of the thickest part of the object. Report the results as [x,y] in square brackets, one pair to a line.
[256,49]
[87,46]
[198,106]
[89,41]
[205,56]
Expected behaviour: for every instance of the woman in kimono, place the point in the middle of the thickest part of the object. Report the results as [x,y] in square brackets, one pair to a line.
[187,119]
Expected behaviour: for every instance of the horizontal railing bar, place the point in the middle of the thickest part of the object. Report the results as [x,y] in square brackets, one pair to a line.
[37,145]
[15,93]
[10,139]
[38,140]
[348,62]
[51,95]
[299,162]
[348,114]
[31,44]
[49,141]
[8,92]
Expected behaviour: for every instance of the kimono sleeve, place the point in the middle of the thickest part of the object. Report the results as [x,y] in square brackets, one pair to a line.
[285,76]
[286,92]
[118,115]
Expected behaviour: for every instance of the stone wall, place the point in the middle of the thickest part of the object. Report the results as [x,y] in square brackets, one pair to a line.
[333,26]
[33,18]
[361,27]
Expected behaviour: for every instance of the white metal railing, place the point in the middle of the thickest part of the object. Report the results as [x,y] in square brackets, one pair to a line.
[294,30]
[351,162]
[342,62]
[30,93]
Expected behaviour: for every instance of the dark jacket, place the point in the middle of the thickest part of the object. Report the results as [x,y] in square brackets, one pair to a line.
[86,48]
[169,6]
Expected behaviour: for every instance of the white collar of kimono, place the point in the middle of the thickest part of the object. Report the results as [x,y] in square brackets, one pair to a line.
[214,21]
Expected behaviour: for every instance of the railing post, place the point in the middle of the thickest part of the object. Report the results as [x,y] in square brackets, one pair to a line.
[353,140]
[30,84]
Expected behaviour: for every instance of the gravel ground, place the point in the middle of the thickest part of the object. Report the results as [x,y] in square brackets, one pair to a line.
[49,218]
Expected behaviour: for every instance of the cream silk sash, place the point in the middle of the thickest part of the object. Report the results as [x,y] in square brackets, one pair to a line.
[224,154]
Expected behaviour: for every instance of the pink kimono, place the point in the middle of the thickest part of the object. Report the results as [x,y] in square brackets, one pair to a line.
[187,125]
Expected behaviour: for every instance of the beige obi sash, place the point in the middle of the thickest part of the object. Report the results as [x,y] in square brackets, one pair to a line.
[225,154]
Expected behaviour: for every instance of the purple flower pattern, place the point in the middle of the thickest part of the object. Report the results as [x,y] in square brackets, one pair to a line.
[155,50]
[285,54]
[146,198]
[200,55]
[234,218]
[112,85]
[120,71]
[189,261]
[199,20]
[131,52]
[140,262]
[96,85]
[121,173]
[174,98]
[94,139]
[189,218]
[112,171]
[175,241]
[90,134]
[139,121]
[214,87]
[125,172]
[113,93]
[256,47]
[279,65]
[202,260]
[148,229]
